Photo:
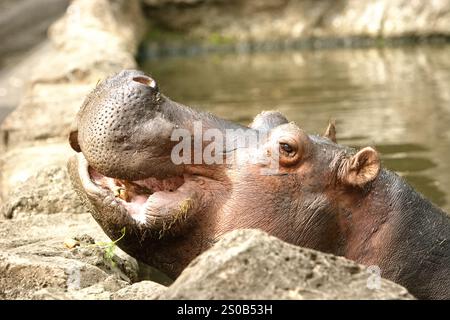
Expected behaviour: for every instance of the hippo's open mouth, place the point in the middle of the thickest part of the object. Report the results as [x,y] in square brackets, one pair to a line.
[135,163]
[156,204]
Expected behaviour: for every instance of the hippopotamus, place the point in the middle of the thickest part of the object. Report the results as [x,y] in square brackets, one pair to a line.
[307,190]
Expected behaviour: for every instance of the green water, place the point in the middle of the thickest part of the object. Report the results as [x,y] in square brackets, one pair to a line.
[396,99]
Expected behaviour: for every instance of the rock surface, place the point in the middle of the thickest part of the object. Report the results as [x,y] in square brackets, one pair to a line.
[19,164]
[23,23]
[50,248]
[91,41]
[272,20]
[101,290]
[250,264]
[144,290]
[47,192]
[38,264]
[38,258]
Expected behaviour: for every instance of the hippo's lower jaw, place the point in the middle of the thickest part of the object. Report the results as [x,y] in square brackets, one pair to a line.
[159,206]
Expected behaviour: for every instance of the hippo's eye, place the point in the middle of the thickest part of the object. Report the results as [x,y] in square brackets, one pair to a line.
[286,148]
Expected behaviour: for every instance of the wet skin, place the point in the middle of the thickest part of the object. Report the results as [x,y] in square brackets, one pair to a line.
[323,196]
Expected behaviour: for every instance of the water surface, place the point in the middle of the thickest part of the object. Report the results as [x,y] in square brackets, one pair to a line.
[396,99]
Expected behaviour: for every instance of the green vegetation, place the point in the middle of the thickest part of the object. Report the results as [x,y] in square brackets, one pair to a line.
[110,247]
[157,34]
[219,39]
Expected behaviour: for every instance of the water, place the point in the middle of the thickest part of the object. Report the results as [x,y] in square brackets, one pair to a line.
[396,99]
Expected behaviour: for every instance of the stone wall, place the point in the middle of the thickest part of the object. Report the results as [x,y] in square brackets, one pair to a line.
[93,40]
[23,23]
[274,20]
[44,226]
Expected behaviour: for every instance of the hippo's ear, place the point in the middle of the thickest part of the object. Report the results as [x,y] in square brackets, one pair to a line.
[330,133]
[268,120]
[73,140]
[361,168]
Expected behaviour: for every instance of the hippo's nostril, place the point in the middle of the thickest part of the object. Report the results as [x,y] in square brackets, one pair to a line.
[145,81]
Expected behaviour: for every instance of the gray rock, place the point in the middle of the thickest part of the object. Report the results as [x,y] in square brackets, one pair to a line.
[33,256]
[23,274]
[159,3]
[111,288]
[79,274]
[275,20]
[250,264]
[144,290]
[47,249]
[46,111]
[15,74]
[50,294]
[20,164]
[91,41]
[99,291]
[24,23]
[48,191]
[22,232]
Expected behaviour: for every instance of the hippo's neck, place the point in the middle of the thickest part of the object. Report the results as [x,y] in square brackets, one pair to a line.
[394,227]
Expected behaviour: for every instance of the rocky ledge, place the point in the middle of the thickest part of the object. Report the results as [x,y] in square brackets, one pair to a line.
[51,248]
[250,264]
[266,24]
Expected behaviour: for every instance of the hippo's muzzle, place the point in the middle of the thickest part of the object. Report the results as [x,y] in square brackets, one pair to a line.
[125,165]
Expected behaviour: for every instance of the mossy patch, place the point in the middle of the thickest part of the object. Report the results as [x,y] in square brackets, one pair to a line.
[219,39]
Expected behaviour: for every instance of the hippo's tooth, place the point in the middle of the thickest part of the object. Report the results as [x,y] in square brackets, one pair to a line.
[122,194]
[124,189]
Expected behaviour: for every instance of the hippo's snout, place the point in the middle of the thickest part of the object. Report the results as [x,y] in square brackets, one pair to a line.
[122,131]
[125,168]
